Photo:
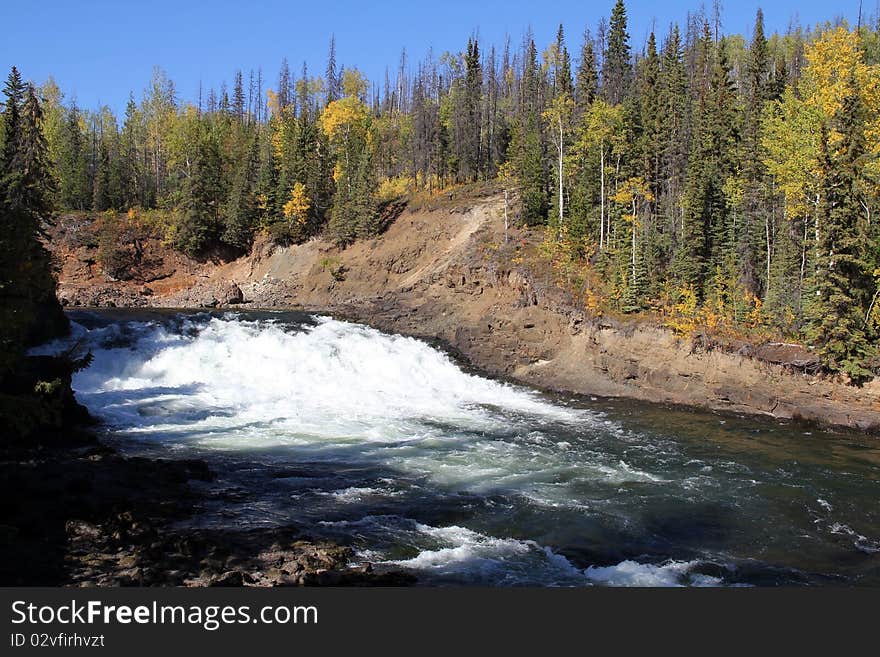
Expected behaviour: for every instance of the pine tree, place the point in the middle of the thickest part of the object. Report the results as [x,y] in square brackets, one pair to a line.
[673,139]
[528,145]
[238,99]
[839,326]
[704,230]
[562,82]
[616,62]
[284,86]
[587,82]
[134,188]
[333,90]
[75,189]
[473,85]
[240,210]
[200,224]
[754,237]
[29,310]
[655,245]
[11,173]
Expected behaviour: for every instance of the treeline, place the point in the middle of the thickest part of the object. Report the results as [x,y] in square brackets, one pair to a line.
[733,178]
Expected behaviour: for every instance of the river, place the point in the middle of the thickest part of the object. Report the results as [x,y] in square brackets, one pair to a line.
[386,444]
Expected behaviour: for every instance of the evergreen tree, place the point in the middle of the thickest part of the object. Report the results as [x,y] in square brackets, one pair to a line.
[754,237]
[11,172]
[705,234]
[528,145]
[587,83]
[333,87]
[75,189]
[562,82]
[616,62]
[29,311]
[200,224]
[240,210]
[839,325]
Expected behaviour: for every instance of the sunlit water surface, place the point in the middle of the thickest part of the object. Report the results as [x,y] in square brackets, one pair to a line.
[384,443]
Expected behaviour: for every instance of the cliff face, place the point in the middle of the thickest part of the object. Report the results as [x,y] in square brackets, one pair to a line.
[450,273]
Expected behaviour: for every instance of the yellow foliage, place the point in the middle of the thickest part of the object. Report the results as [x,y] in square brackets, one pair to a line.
[354,84]
[683,315]
[835,69]
[296,209]
[272,103]
[395,188]
[755,316]
[630,192]
[507,174]
[277,139]
[341,116]
[831,60]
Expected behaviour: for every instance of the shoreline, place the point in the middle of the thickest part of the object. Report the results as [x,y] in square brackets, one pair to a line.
[470,367]
[87,515]
[435,276]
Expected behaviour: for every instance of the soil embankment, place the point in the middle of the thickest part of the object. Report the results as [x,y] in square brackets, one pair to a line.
[450,273]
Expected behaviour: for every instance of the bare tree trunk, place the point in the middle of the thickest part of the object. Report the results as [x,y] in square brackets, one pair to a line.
[870,309]
[560,145]
[803,259]
[602,197]
[634,242]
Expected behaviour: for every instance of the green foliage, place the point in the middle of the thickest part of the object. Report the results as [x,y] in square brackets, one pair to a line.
[839,310]
[29,311]
[723,131]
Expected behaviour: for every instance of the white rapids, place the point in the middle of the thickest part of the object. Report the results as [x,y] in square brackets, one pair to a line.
[385,442]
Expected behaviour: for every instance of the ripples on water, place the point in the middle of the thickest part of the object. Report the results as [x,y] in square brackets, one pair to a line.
[385,443]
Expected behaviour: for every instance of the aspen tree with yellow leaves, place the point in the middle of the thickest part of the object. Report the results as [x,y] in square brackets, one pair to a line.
[737,171]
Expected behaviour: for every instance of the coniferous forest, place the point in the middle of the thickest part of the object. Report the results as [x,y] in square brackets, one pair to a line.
[723,179]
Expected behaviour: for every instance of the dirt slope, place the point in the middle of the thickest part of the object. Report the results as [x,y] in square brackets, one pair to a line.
[445,274]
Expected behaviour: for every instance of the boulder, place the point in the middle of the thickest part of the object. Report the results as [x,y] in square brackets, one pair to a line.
[230,294]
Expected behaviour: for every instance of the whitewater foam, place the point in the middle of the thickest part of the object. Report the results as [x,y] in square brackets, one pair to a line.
[353,433]
[465,555]
[333,380]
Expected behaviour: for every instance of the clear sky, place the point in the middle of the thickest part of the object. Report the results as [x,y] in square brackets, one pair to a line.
[99,50]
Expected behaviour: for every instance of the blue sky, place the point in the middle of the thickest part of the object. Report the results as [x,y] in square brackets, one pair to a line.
[98,51]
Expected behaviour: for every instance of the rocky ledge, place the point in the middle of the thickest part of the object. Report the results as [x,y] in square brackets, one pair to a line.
[88,516]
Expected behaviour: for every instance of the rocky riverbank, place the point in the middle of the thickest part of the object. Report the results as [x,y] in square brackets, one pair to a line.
[84,515]
[452,273]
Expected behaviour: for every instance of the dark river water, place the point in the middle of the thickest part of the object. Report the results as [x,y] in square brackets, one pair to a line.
[383,443]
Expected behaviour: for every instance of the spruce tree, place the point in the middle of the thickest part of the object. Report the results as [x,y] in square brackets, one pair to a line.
[333,87]
[562,82]
[587,82]
[29,310]
[838,322]
[751,239]
[10,165]
[617,64]
[200,224]
[75,189]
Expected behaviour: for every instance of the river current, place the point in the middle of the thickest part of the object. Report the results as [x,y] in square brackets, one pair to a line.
[384,443]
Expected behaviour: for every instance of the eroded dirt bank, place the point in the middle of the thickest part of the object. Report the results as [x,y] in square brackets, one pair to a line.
[450,273]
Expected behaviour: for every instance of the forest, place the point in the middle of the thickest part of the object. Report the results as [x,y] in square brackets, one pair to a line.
[722,180]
